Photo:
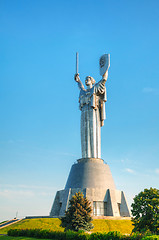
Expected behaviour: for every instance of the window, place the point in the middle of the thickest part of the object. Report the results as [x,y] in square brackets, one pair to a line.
[99,208]
[119,207]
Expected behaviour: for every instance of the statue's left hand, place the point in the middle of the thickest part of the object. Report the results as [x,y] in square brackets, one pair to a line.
[105,75]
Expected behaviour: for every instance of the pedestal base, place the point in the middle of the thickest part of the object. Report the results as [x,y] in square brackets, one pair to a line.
[92,177]
[104,202]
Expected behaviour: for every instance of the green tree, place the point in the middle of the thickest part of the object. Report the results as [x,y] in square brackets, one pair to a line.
[78,216]
[145,211]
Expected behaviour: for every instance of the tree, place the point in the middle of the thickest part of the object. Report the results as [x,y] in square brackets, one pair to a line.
[145,211]
[78,216]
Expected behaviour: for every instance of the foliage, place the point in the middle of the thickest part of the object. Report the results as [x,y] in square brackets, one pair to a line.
[71,235]
[153,237]
[106,236]
[145,211]
[46,234]
[78,216]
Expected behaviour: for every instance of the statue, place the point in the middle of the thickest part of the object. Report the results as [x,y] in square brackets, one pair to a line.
[92,105]
[90,174]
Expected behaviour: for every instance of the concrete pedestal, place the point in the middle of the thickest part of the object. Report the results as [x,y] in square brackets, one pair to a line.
[90,173]
[92,177]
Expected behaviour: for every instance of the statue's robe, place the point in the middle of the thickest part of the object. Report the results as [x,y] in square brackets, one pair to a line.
[92,106]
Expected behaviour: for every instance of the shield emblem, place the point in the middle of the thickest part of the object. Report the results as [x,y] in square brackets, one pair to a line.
[104,63]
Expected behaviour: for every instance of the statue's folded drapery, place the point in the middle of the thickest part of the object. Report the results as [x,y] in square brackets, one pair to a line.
[92,106]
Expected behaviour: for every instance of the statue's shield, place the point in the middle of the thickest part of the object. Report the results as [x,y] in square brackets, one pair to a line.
[104,63]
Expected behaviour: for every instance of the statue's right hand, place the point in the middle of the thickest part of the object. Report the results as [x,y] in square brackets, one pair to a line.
[76,77]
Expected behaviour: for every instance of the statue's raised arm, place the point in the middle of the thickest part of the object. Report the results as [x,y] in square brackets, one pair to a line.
[101,83]
[77,79]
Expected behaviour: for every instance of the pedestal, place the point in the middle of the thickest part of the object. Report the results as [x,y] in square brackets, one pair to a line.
[92,177]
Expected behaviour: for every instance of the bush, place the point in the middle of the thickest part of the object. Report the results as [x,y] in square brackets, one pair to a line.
[46,234]
[106,236]
[145,211]
[153,237]
[70,235]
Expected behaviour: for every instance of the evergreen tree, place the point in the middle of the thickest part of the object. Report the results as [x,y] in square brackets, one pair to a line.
[78,216]
[145,211]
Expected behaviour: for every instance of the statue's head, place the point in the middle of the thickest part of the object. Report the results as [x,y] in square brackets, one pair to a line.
[89,81]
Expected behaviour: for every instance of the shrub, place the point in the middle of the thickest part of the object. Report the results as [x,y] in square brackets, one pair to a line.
[46,234]
[145,211]
[70,235]
[106,236]
[78,216]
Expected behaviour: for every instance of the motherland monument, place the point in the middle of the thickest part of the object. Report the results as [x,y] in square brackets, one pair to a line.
[91,175]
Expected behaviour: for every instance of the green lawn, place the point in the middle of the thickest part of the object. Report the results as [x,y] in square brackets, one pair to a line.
[18,238]
[44,223]
[100,225]
[103,225]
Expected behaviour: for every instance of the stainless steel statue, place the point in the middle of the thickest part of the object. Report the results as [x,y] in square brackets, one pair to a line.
[92,105]
[90,174]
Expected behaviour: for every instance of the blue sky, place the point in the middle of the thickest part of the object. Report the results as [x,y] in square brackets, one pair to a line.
[40,119]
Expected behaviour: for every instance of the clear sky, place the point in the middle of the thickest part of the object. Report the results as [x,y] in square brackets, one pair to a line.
[40,118]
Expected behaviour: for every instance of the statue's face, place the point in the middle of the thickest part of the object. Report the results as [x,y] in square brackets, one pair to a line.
[88,81]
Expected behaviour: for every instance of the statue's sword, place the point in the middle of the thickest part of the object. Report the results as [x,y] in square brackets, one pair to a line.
[76,62]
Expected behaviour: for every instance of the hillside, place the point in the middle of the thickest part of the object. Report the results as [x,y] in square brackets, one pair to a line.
[100,225]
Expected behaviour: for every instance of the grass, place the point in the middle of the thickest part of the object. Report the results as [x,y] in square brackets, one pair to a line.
[18,238]
[100,225]
[103,225]
[44,223]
